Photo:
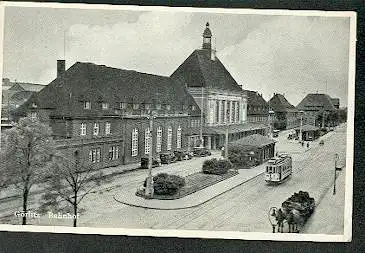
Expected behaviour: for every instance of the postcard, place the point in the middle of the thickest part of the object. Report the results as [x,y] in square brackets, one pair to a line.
[177,122]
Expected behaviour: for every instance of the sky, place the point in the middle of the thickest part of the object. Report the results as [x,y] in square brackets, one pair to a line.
[291,55]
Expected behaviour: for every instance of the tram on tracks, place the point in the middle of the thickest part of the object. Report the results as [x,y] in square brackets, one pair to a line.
[278,169]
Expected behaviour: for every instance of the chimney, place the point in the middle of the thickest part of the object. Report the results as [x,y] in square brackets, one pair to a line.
[61,67]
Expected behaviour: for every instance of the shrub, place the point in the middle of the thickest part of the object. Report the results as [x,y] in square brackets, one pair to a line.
[217,167]
[165,184]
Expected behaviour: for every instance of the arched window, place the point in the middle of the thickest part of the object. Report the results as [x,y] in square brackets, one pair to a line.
[169,138]
[159,139]
[178,138]
[135,142]
[147,140]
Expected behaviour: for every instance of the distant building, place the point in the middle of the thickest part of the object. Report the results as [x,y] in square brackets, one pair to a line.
[257,108]
[14,94]
[319,109]
[309,132]
[219,96]
[100,114]
[286,115]
[336,102]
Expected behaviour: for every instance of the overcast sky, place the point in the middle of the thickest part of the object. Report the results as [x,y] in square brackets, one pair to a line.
[293,55]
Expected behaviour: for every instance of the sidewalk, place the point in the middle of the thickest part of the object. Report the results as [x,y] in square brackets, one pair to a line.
[328,217]
[195,199]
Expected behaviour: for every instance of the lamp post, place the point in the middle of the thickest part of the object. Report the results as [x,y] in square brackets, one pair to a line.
[272,218]
[149,184]
[334,179]
[301,126]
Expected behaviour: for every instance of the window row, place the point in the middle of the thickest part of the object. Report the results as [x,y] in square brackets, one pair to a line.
[96,128]
[257,119]
[95,154]
[225,111]
[195,123]
[148,138]
[136,106]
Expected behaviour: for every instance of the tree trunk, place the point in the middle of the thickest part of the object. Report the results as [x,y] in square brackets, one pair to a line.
[25,202]
[75,211]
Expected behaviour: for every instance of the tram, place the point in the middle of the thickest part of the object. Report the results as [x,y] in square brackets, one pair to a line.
[278,169]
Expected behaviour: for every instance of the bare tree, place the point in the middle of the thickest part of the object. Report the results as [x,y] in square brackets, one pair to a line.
[71,181]
[27,150]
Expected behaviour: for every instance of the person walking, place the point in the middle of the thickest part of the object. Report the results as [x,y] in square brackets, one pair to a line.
[223,151]
[307,144]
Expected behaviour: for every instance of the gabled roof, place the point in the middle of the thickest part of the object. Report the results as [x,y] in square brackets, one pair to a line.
[278,103]
[26,86]
[316,102]
[254,98]
[199,70]
[255,140]
[99,83]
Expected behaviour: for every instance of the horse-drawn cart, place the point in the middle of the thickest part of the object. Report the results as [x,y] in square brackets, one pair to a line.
[295,211]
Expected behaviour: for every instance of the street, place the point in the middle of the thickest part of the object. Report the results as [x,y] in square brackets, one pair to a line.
[244,208]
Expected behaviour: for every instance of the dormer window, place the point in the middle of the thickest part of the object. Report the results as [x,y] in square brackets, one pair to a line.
[184,107]
[158,106]
[168,107]
[105,106]
[135,106]
[122,105]
[34,105]
[193,108]
[87,105]
[147,106]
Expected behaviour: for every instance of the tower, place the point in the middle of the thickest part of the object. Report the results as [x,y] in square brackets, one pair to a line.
[207,38]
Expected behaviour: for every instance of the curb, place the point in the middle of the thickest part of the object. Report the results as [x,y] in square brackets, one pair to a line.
[192,206]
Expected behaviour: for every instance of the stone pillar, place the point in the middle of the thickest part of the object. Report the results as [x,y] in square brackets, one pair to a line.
[225,111]
[209,142]
[230,111]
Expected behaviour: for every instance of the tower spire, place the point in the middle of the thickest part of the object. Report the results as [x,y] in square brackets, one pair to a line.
[207,37]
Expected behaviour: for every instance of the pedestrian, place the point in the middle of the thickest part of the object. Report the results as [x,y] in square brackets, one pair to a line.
[222,151]
[302,142]
[307,144]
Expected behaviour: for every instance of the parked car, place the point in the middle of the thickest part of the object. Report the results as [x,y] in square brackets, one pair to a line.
[183,155]
[156,162]
[168,157]
[201,151]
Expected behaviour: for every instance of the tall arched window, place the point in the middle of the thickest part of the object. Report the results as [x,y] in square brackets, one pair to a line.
[159,139]
[135,142]
[178,138]
[169,138]
[147,140]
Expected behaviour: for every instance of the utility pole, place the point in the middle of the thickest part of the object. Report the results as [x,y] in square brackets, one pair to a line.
[149,185]
[334,180]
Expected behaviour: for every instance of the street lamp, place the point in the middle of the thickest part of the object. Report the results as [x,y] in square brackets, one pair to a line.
[334,180]
[272,218]
[149,184]
[301,126]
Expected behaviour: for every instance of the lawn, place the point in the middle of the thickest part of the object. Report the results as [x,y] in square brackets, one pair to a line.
[193,183]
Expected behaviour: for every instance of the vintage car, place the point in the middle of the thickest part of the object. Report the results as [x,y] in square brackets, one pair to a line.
[201,151]
[183,155]
[168,157]
[156,162]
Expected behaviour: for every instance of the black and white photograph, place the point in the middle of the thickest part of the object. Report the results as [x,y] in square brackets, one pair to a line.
[177,122]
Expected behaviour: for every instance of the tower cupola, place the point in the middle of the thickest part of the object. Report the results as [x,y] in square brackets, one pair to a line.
[207,37]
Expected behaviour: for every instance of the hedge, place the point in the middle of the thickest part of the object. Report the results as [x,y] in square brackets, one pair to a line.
[216,166]
[166,184]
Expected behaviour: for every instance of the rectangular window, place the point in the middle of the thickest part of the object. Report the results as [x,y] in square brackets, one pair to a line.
[193,108]
[113,153]
[87,105]
[135,142]
[178,138]
[147,141]
[33,115]
[168,107]
[169,138]
[222,111]
[83,129]
[122,105]
[217,111]
[158,106]
[159,139]
[107,128]
[94,155]
[96,129]
[233,112]
[135,106]
[105,106]
[238,112]
[147,106]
